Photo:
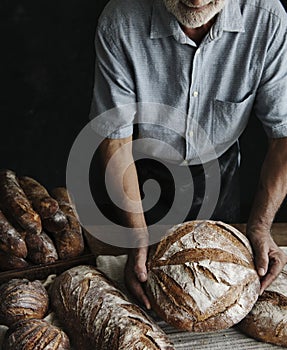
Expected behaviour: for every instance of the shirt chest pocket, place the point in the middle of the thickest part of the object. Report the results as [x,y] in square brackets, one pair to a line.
[229,119]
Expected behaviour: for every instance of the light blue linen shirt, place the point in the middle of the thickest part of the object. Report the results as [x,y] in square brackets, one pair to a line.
[145,62]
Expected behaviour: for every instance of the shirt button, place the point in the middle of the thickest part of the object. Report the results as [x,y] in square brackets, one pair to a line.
[195,93]
[185,162]
[190,133]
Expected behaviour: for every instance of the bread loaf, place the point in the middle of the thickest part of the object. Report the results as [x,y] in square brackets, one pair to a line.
[201,276]
[9,261]
[41,249]
[69,242]
[267,321]
[42,202]
[21,299]
[11,240]
[96,315]
[35,334]
[14,200]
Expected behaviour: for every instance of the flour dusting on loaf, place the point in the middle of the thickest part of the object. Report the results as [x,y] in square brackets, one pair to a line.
[96,315]
[201,276]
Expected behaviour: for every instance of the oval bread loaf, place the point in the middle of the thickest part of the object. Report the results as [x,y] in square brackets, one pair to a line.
[201,276]
[42,202]
[21,299]
[96,315]
[41,248]
[16,203]
[35,334]
[267,321]
[70,241]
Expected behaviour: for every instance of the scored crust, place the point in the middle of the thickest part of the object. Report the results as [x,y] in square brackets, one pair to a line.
[96,314]
[267,321]
[201,276]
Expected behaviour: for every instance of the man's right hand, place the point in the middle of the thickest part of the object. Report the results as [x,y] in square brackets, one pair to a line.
[136,274]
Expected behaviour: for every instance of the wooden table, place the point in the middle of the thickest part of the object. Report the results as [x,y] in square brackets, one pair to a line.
[278,231]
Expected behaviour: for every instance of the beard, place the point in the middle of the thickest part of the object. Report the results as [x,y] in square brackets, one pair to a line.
[193,16]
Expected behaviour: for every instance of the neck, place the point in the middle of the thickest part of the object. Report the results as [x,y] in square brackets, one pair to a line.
[197,34]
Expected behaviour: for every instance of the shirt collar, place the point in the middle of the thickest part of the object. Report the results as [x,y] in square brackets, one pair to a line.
[164,24]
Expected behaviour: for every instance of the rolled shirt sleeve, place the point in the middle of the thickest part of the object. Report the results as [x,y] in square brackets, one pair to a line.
[113,103]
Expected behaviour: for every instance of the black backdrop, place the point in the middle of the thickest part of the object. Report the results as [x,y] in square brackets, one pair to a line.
[46,70]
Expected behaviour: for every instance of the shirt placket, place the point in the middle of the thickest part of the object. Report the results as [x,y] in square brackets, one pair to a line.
[193,107]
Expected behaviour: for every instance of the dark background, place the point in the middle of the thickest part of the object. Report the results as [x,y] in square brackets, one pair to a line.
[46,70]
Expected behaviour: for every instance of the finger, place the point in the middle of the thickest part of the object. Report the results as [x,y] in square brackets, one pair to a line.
[140,294]
[137,290]
[275,267]
[140,258]
[261,258]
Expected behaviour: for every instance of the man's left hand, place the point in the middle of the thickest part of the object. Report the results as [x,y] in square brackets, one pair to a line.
[269,258]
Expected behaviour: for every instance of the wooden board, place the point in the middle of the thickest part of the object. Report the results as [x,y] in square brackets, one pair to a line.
[44,270]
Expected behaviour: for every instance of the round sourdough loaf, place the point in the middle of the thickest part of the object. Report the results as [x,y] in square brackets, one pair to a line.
[201,276]
[35,334]
[267,321]
[21,299]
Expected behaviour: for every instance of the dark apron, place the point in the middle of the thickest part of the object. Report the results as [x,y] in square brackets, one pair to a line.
[227,206]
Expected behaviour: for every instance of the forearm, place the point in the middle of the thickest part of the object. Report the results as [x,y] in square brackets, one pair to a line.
[272,187]
[121,177]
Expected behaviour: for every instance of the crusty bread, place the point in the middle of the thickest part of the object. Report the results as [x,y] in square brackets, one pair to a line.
[96,315]
[70,241]
[35,334]
[201,276]
[21,299]
[267,321]
[41,248]
[42,202]
[14,200]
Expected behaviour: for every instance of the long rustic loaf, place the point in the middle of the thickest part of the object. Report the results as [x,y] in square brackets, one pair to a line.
[69,242]
[35,334]
[96,315]
[11,240]
[15,201]
[41,248]
[21,299]
[42,202]
[267,321]
[201,276]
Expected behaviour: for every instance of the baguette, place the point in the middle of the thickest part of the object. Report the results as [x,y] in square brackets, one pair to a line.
[201,276]
[42,202]
[35,334]
[41,249]
[11,240]
[70,241]
[14,200]
[21,299]
[96,315]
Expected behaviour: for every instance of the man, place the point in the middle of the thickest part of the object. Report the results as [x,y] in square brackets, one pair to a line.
[213,62]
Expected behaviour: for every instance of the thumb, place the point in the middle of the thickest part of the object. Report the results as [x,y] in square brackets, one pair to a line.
[261,258]
[140,258]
